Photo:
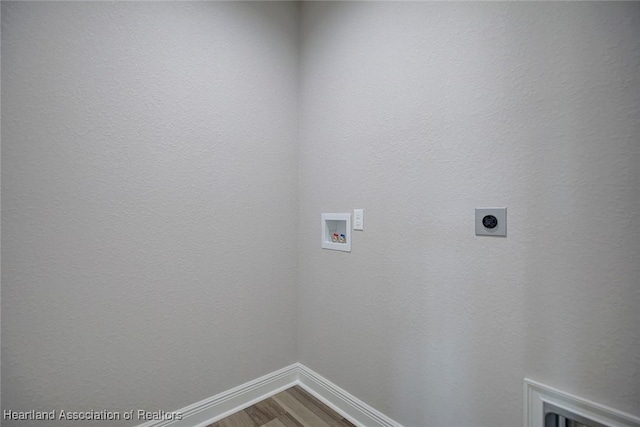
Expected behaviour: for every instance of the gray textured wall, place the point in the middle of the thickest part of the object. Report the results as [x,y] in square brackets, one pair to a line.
[150,168]
[419,112]
[149,187]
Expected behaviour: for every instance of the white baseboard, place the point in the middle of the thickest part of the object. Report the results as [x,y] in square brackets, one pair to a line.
[214,408]
[223,404]
[344,403]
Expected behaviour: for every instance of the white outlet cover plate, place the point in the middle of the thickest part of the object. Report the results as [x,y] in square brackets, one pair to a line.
[358,219]
[501,216]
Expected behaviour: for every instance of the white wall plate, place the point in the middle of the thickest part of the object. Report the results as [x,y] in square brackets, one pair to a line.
[491,221]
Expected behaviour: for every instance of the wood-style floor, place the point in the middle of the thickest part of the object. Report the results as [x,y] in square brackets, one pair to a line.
[294,407]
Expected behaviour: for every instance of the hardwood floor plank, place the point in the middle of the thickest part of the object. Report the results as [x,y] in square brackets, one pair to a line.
[265,411]
[301,413]
[330,416]
[289,421]
[239,419]
[294,407]
[274,423]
